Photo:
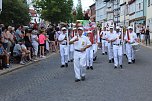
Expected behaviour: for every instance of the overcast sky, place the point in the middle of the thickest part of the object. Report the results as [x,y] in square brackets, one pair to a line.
[85,3]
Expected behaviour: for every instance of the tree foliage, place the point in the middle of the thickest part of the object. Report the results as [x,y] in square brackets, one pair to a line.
[55,10]
[79,15]
[14,12]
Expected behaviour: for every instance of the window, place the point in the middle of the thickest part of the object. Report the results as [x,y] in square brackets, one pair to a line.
[149,3]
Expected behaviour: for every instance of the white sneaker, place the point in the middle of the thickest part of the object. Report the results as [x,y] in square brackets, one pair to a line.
[22,63]
[43,56]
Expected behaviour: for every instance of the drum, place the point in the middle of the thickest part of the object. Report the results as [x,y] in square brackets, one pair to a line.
[136,46]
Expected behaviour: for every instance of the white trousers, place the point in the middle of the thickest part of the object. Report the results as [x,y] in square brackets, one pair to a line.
[130,52]
[35,47]
[104,46]
[71,54]
[89,56]
[110,51]
[64,54]
[79,64]
[124,48]
[117,52]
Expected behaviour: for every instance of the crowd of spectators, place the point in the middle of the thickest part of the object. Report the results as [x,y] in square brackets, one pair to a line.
[143,33]
[21,45]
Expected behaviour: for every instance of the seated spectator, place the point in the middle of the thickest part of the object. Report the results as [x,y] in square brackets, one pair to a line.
[4,56]
[26,51]
[18,52]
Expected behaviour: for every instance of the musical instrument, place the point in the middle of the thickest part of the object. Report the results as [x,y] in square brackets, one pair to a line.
[136,46]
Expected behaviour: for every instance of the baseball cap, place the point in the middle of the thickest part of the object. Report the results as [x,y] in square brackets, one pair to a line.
[63,28]
[80,28]
[117,27]
[130,27]
[111,27]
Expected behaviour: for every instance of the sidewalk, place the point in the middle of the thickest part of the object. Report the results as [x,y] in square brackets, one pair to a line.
[14,67]
[148,46]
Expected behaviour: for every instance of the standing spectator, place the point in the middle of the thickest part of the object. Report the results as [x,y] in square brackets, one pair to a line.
[51,33]
[18,33]
[138,31]
[57,33]
[35,44]
[27,39]
[142,35]
[42,39]
[4,56]
[147,35]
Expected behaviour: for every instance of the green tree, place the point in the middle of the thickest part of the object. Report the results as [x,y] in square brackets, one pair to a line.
[14,12]
[55,10]
[79,15]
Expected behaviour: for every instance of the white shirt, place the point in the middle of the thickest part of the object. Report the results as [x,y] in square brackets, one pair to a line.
[81,43]
[132,36]
[61,37]
[117,37]
[110,36]
[137,30]
[103,33]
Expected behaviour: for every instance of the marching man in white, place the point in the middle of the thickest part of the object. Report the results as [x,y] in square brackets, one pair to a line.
[63,47]
[104,42]
[90,51]
[117,48]
[130,38]
[81,43]
[109,38]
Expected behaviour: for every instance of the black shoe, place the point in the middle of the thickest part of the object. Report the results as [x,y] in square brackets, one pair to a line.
[133,61]
[121,66]
[77,80]
[115,67]
[129,62]
[68,60]
[95,58]
[109,61]
[91,67]
[106,53]
[62,66]
[66,64]
[71,60]
[83,78]
[103,53]
[87,67]
[112,60]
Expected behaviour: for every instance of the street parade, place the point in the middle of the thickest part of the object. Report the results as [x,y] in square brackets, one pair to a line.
[75,50]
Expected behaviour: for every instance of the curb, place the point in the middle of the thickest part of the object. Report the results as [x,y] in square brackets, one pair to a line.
[150,47]
[11,69]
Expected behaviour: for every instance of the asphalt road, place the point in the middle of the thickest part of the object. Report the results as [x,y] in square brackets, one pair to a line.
[46,81]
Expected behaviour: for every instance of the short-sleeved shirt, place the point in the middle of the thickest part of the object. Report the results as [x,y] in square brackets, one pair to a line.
[132,36]
[42,39]
[18,33]
[110,36]
[118,40]
[81,43]
[61,37]
[34,38]
[103,33]
[17,48]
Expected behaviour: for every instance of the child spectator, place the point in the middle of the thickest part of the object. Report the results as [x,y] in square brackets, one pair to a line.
[42,39]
